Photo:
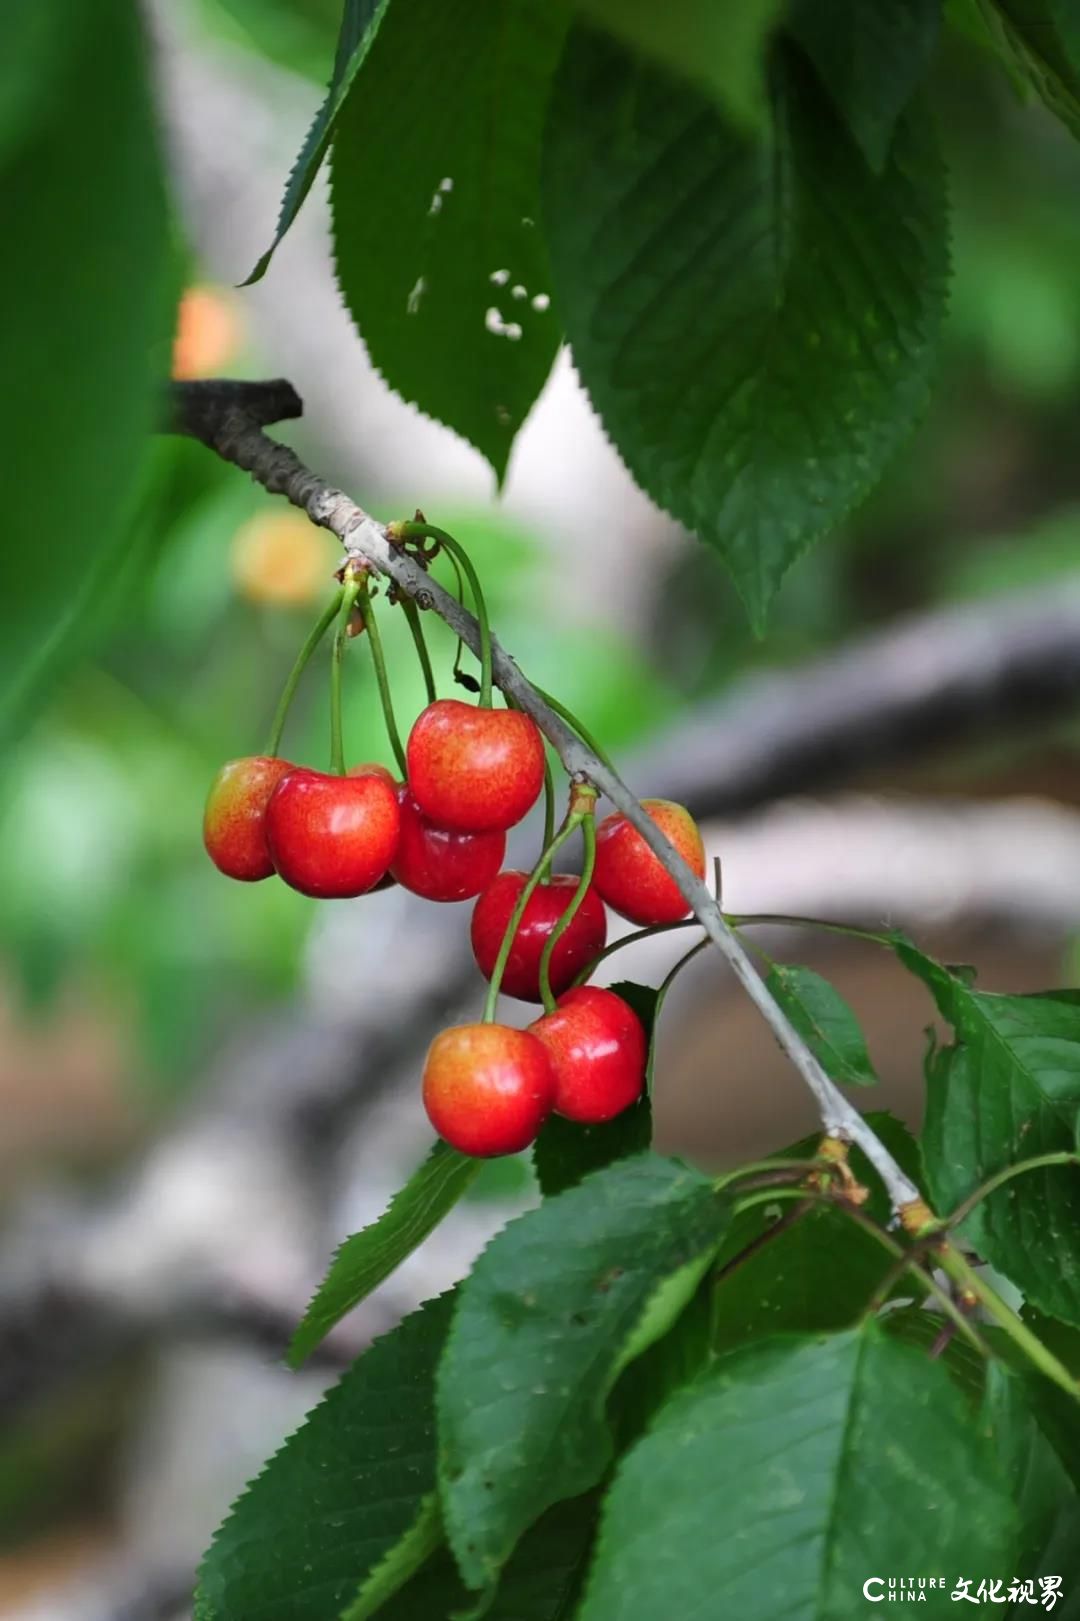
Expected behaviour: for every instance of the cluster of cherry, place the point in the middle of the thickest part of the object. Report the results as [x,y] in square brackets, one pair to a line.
[473,772]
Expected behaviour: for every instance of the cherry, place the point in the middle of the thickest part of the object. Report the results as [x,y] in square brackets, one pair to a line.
[331,836]
[438,864]
[373,769]
[581,942]
[487,1089]
[474,770]
[598,1049]
[630,878]
[234,827]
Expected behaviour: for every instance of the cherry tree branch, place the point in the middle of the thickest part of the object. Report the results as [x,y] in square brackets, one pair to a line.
[230,419]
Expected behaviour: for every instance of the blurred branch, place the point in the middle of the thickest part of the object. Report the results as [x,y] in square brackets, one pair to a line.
[937,678]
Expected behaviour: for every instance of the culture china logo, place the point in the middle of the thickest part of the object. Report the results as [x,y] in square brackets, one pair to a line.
[1041,1591]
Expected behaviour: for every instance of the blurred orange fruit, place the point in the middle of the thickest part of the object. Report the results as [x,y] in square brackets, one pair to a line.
[280,558]
[209,333]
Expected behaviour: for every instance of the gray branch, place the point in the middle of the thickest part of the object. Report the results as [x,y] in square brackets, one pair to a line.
[233,426]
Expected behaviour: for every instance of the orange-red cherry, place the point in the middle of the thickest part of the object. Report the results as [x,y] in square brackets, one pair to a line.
[439,864]
[330,836]
[630,878]
[234,822]
[598,1049]
[474,770]
[487,1089]
[576,947]
[373,769]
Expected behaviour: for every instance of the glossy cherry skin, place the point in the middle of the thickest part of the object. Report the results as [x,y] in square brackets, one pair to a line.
[582,941]
[474,770]
[234,822]
[628,875]
[439,864]
[373,769]
[487,1089]
[330,836]
[598,1049]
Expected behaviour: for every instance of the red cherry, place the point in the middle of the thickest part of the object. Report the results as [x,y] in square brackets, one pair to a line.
[332,836]
[628,875]
[581,942]
[487,1088]
[474,770]
[598,1049]
[441,865]
[234,825]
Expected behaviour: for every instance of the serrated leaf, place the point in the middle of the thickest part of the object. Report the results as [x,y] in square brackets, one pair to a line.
[825,1022]
[720,48]
[369,1257]
[335,1505]
[789,1473]
[439,254]
[541,1580]
[870,58]
[566,1151]
[546,1321]
[756,322]
[1007,1090]
[360,22]
[88,269]
[1043,39]
[1049,1510]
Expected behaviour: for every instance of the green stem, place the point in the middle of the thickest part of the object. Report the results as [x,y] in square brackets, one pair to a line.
[315,636]
[349,593]
[1040,1162]
[549,801]
[739,921]
[588,834]
[573,820]
[906,1263]
[629,940]
[412,615]
[572,721]
[770,1196]
[417,531]
[367,613]
[964,1275]
[775,1164]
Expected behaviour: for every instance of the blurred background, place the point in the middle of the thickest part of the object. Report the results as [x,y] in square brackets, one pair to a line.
[205,1086]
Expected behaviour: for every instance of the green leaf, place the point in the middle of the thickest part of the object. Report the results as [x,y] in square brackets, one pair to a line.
[369,1257]
[565,1151]
[86,279]
[756,322]
[439,255]
[825,1022]
[540,1582]
[871,59]
[553,1310]
[1049,1510]
[1007,1090]
[1043,39]
[919,1328]
[792,1471]
[819,1273]
[359,25]
[35,41]
[720,48]
[349,1499]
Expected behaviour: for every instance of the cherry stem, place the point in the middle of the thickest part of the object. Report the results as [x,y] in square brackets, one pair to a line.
[420,531]
[303,658]
[367,614]
[734,920]
[412,615]
[573,820]
[588,835]
[1039,1163]
[549,801]
[571,720]
[349,592]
